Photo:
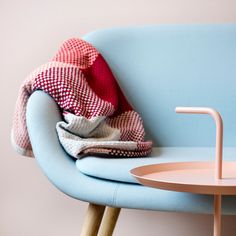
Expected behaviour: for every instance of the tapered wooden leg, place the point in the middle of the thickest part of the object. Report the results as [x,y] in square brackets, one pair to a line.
[109,221]
[92,220]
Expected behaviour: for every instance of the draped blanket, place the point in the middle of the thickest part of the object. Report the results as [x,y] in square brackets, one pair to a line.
[98,120]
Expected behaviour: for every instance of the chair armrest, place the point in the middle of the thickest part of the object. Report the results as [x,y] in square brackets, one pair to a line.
[42,114]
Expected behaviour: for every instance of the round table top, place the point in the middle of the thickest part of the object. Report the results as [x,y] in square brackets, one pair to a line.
[194,177]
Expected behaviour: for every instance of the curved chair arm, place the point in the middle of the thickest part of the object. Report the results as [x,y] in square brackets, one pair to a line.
[42,115]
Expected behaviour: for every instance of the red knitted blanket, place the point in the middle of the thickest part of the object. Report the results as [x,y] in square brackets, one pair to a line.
[97,116]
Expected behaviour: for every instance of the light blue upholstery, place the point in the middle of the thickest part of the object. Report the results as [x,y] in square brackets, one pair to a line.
[158,67]
[61,170]
[161,67]
[118,169]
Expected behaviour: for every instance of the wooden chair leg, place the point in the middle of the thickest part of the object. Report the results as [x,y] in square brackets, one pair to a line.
[92,220]
[109,221]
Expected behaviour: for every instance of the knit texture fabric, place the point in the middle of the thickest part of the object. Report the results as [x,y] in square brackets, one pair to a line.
[98,119]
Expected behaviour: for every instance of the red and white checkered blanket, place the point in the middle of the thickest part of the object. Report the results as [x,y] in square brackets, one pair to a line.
[98,120]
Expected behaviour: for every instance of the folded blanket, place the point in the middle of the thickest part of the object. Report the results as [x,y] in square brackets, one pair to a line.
[98,120]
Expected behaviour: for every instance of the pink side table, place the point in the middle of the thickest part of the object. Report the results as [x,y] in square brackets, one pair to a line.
[195,177]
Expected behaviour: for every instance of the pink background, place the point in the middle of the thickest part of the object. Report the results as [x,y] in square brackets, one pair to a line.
[31,32]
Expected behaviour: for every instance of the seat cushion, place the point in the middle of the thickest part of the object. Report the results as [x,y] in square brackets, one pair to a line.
[118,169]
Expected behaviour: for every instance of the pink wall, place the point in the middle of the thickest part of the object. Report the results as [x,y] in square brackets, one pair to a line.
[30,34]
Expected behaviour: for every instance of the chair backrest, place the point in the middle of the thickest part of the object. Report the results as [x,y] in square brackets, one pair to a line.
[161,67]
